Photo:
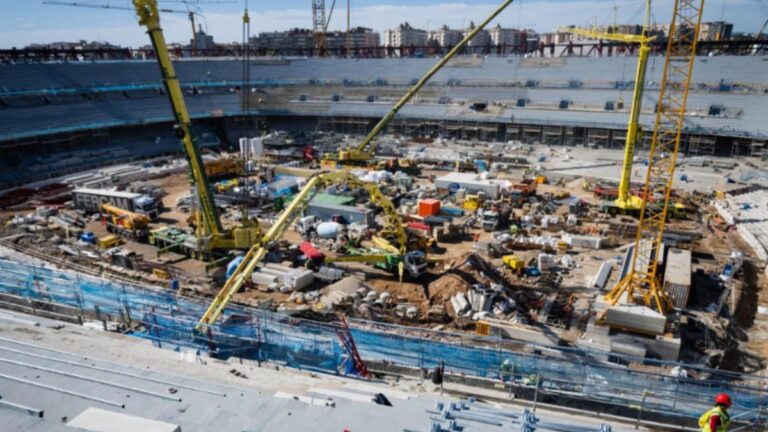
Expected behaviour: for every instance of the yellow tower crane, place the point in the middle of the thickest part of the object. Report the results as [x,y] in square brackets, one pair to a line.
[642,281]
[625,200]
[363,154]
[211,235]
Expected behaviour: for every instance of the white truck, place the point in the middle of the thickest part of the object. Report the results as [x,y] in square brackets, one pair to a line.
[90,200]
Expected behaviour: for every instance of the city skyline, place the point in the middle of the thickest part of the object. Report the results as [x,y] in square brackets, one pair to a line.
[41,24]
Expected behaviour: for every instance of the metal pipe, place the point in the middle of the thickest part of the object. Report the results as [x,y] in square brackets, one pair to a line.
[64,391]
[14,406]
[451,415]
[94,367]
[86,378]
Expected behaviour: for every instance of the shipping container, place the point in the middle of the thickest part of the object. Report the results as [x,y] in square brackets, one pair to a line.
[90,200]
[429,207]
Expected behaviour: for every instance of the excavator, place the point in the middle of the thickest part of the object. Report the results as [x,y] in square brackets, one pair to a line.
[392,239]
[626,201]
[364,154]
[211,239]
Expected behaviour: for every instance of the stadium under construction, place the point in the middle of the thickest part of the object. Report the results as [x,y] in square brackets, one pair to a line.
[570,239]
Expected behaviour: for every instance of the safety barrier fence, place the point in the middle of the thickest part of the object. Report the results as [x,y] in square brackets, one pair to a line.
[168,320]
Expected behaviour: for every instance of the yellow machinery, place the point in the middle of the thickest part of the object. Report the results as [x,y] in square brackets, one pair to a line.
[226,185]
[625,200]
[125,223]
[363,154]
[128,220]
[160,273]
[224,166]
[393,230]
[108,241]
[643,279]
[514,262]
[211,236]
[414,262]
[472,202]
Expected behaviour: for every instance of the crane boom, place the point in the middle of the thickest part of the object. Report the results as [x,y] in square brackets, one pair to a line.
[643,277]
[149,17]
[211,236]
[762,29]
[103,6]
[318,24]
[625,199]
[362,153]
[257,253]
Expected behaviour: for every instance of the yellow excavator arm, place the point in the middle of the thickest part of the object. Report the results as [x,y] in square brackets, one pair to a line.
[256,254]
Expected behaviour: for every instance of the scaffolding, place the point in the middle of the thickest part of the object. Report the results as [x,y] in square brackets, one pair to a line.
[701,146]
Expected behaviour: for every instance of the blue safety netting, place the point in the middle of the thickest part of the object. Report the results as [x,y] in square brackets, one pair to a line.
[168,320]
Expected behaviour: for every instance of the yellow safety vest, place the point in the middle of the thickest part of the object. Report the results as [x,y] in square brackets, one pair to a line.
[725,420]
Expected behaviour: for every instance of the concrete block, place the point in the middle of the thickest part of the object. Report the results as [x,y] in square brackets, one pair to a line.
[602,275]
[633,349]
[582,241]
[260,278]
[516,331]
[636,318]
[665,347]
[299,279]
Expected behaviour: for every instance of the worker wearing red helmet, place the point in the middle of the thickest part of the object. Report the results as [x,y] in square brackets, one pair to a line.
[717,419]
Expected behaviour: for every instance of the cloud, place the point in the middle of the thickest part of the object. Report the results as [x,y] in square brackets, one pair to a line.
[543,15]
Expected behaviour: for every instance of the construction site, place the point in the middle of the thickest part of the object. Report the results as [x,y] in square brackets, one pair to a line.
[451,242]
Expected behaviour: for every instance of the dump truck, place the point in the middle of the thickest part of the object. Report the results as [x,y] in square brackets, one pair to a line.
[527,187]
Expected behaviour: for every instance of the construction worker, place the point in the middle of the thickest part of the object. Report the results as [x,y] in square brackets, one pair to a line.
[717,419]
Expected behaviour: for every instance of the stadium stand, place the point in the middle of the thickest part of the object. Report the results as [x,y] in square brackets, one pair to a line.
[524,98]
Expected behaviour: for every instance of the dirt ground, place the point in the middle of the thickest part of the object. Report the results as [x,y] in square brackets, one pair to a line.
[176,186]
[758,334]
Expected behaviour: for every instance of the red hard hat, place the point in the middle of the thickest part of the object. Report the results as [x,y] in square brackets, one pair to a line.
[723,399]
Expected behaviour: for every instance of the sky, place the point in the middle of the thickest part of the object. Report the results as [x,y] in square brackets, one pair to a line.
[30,21]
